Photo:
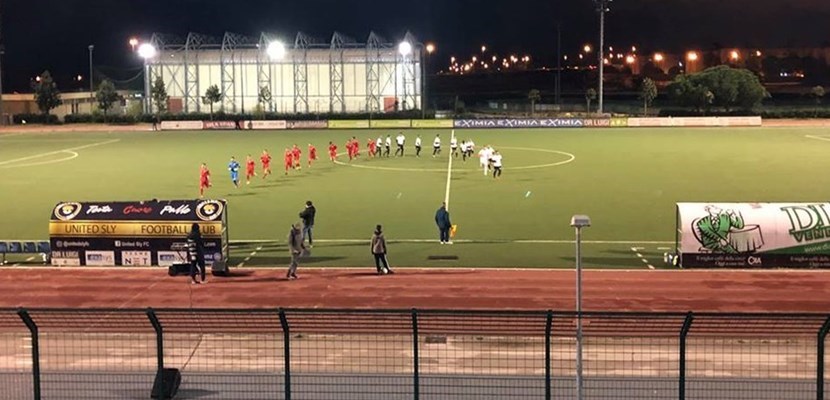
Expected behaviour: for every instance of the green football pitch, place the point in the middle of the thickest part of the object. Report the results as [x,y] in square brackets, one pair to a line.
[626,180]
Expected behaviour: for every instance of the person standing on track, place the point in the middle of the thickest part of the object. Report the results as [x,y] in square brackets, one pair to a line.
[378,247]
[196,254]
[296,248]
[307,216]
[442,219]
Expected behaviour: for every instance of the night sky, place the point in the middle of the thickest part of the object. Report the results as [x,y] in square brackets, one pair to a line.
[54,34]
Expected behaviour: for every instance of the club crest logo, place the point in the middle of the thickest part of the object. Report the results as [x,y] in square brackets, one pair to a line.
[209,210]
[67,211]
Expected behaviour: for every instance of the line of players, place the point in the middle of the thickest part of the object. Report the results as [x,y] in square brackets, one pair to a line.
[489,158]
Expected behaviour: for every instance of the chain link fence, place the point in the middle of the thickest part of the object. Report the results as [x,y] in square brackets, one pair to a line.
[409,354]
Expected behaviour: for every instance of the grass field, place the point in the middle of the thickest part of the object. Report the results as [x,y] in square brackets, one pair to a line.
[627,180]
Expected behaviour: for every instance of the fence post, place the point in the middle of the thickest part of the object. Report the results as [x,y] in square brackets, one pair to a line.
[681,384]
[822,336]
[416,373]
[30,323]
[286,345]
[151,315]
[548,328]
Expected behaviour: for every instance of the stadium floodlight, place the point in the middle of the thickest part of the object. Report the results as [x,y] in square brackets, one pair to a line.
[603,6]
[275,50]
[405,48]
[147,51]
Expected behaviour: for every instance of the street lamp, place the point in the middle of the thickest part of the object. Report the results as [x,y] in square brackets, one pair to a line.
[91,47]
[483,48]
[579,222]
[692,56]
[734,55]
[602,8]
[587,48]
[133,43]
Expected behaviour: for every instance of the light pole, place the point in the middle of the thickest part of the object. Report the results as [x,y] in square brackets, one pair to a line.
[558,95]
[2,117]
[430,48]
[147,51]
[602,8]
[579,222]
[91,96]
[405,50]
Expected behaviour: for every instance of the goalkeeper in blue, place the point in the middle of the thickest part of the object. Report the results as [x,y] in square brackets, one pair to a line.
[233,167]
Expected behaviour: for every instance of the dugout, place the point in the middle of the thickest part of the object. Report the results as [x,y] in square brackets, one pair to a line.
[140,233]
[752,235]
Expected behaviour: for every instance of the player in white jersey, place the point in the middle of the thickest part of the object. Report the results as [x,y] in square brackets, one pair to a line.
[399,140]
[454,146]
[484,159]
[496,159]
[418,146]
[471,147]
[436,145]
[379,147]
[464,150]
[387,145]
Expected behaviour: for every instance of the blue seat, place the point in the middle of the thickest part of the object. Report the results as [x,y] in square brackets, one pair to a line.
[4,248]
[15,247]
[29,247]
[44,247]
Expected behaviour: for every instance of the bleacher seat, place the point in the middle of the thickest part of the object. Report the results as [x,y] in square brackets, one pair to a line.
[42,248]
[15,247]
[4,248]
[29,247]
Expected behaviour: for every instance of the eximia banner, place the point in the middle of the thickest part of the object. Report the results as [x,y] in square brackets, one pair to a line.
[756,235]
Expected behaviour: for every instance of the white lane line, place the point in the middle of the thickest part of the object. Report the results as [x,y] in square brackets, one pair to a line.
[826,139]
[650,266]
[59,151]
[30,258]
[253,253]
[664,248]
[449,173]
[636,251]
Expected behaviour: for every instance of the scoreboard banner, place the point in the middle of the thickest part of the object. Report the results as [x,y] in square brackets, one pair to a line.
[753,235]
[140,233]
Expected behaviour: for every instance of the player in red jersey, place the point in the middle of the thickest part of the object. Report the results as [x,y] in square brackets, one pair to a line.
[250,169]
[350,149]
[265,159]
[204,179]
[370,144]
[289,160]
[332,152]
[312,154]
[356,146]
[296,152]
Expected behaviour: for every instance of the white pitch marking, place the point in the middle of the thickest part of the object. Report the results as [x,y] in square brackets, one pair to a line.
[826,139]
[639,255]
[449,174]
[30,258]
[650,266]
[72,155]
[59,151]
[664,248]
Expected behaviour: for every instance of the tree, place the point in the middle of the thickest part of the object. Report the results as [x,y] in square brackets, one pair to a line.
[106,96]
[818,93]
[648,92]
[720,86]
[212,96]
[159,95]
[590,95]
[264,97]
[534,95]
[46,91]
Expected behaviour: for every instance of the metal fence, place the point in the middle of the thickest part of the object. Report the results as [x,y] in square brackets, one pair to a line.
[409,354]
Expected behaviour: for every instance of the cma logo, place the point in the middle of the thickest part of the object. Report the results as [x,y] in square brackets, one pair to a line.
[753,261]
[808,222]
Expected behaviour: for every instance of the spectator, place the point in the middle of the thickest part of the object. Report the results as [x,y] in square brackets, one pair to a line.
[308,222]
[296,248]
[378,248]
[196,254]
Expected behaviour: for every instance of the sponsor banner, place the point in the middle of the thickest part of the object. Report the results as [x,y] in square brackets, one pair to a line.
[99,258]
[754,234]
[432,123]
[167,258]
[519,123]
[619,122]
[256,125]
[136,258]
[154,210]
[66,262]
[219,125]
[391,123]
[348,124]
[307,124]
[650,122]
[695,121]
[133,233]
[136,229]
[596,122]
[180,125]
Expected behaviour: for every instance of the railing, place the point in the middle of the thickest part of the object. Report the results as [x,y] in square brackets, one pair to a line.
[409,354]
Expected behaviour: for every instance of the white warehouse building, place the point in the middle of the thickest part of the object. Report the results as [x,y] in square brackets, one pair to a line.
[269,74]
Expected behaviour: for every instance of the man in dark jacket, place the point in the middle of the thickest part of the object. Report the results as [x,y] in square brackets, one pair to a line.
[378,248]
[296,248]
[196,254]
[308,222]
[442,219]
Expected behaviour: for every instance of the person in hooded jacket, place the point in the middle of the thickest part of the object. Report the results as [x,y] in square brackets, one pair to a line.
[378,248]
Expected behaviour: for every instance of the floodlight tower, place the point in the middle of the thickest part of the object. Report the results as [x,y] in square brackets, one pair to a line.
[603,6]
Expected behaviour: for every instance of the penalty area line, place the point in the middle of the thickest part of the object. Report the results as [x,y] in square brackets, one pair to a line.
[68,150]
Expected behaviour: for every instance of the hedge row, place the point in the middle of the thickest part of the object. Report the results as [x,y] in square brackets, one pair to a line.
[766,114]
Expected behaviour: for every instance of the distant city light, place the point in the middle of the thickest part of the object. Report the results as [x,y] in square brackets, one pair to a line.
[587,48]
[630,59]
[79,78]
[734,55]
[475,59]
[633,49]
[692,56]
[146,50]
[430,48]
[483,48]
[565,57]
[452,59]
[658,57]
[133,42]
[757,53]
